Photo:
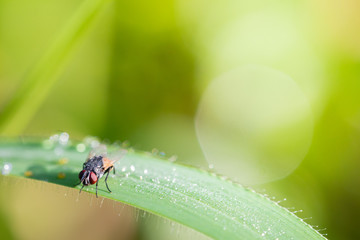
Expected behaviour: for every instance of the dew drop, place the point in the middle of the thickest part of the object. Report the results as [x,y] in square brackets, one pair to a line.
[63,161]
[61,175]
[145,171]
[94,143]
[6,169]
[123,169]
[81,147]
[132,167]
[28,173]
[154,151]
[64,138]
[54,138]
[173,158]
[125,144]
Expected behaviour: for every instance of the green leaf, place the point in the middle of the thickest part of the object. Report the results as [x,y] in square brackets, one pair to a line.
[38,83]
[198,199]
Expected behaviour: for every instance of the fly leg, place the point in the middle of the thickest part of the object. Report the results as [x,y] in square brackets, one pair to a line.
[81,188]
[97,182]
[108,171]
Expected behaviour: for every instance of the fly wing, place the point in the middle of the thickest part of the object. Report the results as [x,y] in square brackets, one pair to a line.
[100,150]
[117,155]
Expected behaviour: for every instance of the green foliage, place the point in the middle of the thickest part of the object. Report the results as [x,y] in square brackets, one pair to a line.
[198,199]
[40,80]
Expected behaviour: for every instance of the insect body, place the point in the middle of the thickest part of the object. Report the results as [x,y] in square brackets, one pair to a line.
[95,167]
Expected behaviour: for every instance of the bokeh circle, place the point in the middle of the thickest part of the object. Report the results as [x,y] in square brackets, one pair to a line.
[254,124]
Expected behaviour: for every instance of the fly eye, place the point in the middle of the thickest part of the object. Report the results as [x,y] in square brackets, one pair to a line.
[93,178]
[81,174]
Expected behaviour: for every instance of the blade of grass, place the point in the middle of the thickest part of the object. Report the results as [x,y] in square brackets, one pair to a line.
[193,197]
[38,83]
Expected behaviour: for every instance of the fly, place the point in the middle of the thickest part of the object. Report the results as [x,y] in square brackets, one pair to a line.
[98,164]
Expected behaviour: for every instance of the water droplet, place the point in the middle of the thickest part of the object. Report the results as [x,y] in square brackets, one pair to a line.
[63,161]
[132,167]
[162,154]
[173,158]
[123,169]
[95,144]
[6,169]
[64,138]
[81,147]
[145,171]
[154,151]
[61,175]
[28,173]
[54,138]
[125,144]
[141,177]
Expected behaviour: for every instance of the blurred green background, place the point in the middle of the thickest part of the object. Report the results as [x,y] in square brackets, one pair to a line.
[140,71]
